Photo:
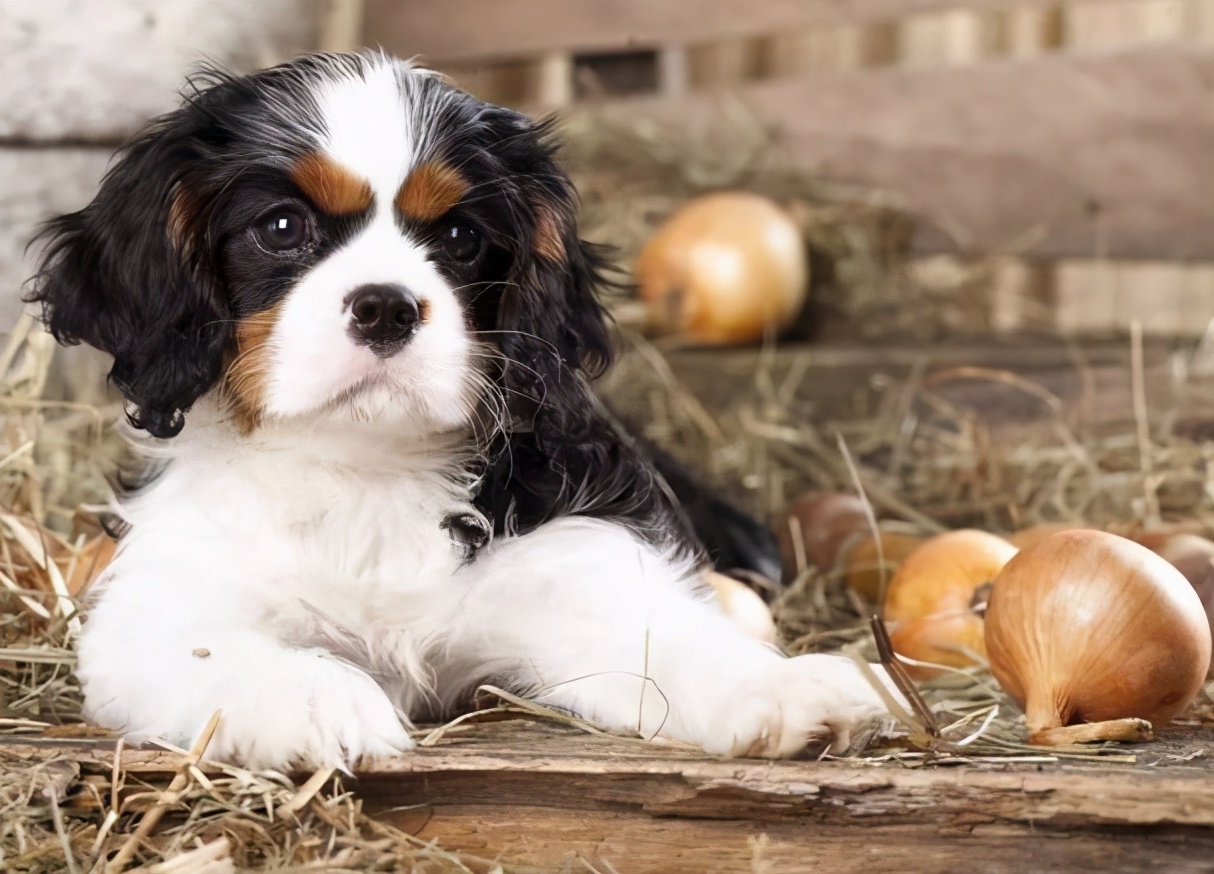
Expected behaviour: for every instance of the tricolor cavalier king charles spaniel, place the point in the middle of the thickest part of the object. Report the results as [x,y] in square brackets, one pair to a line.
[351,315]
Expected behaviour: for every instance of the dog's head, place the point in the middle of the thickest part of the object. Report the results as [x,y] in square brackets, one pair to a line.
[342,236]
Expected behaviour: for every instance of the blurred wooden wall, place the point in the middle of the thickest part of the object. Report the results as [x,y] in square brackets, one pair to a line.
[558,52]
[1076,138]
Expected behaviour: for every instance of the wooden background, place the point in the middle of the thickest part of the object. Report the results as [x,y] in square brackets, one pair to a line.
[1076,138]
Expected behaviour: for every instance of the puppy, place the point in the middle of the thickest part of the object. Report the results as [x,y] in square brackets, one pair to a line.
[354,323]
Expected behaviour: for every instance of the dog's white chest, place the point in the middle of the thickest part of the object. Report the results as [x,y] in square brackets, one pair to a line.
[386,535]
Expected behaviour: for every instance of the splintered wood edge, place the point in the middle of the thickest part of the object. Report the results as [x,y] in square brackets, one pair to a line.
[650,779]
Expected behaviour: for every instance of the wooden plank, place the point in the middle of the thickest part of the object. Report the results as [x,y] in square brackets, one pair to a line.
[1080,296]
[1061,156]
[1169,298]
[535,794]
[952,38]
[545,840]
[1119,24]
[457,30]
[546,764]
[341,26]
[1033,31]
[1092,381]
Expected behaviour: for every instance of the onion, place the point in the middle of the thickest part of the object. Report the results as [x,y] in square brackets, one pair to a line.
[815,527]
[1193,556]
[1190,554]
[865,571]
[723,268]
[1087,626]
[932,598]
[939,638]
[943,573]
[743,605]
[1205,591]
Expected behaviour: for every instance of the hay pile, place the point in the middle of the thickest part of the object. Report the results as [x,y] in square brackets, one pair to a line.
[63,811]
[918,456]
[928,464]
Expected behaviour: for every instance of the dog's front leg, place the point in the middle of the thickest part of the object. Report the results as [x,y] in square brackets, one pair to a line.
[157,660]
[583,616]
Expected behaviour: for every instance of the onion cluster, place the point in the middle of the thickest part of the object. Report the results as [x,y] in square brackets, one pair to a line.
[1086,630]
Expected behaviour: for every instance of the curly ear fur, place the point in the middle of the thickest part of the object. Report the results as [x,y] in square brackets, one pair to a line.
[552,322]
[564,453]
[124,274]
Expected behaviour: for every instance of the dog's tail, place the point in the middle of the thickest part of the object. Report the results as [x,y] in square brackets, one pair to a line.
[734,539]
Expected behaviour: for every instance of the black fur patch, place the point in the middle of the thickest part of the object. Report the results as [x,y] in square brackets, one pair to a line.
[162,265]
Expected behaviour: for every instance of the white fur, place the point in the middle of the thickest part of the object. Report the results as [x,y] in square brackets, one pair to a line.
[314,362]
[298,580]
[367,129]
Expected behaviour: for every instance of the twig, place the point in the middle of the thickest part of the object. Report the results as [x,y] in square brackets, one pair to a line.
[869,516]
[36,548]
[897,673]
[308,791]
[51,792]
[167,799]
[30,604]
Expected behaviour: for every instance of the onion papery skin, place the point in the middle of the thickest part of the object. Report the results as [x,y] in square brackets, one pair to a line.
[725,268]
[1088,626]
[823,522]
[945,638]
[862,568]
[929,604]
[943,572]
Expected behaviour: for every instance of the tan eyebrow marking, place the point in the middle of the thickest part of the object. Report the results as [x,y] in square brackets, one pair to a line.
[431,191]
[333,188]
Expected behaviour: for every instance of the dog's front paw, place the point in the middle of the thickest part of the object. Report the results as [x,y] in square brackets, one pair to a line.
[807,704]
[324,713]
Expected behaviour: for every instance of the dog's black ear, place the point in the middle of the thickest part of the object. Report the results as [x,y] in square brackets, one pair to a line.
[131,274]
[553,327]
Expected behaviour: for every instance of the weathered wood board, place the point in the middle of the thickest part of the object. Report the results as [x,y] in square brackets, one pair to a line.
[1092,381]
[463,29]
[539,796]
[1063,156]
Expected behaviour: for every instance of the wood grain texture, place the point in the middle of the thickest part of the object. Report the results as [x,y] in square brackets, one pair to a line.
[1062,156]
[541,797]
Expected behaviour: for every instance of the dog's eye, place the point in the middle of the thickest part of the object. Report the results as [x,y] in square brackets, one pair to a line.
[283,230]
[461,242]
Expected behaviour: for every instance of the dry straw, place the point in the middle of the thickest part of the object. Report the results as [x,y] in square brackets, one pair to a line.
[62,809]
[919,456]
[926,463]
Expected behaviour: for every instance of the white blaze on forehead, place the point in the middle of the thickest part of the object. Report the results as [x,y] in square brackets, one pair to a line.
[368,128]
[370,133]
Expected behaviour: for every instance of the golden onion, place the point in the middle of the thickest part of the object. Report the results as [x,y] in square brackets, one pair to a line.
[724,268]
[1089,627]
[864,570]
[930,603]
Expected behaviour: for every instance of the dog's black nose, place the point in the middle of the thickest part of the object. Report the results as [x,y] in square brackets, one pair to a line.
[384,317]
